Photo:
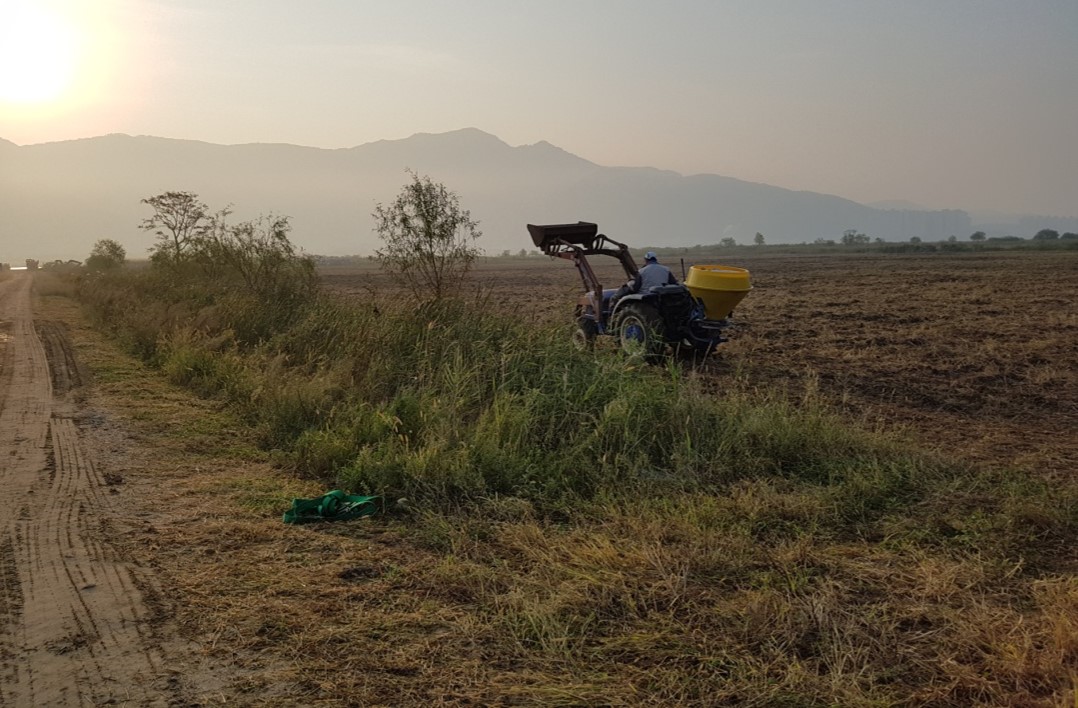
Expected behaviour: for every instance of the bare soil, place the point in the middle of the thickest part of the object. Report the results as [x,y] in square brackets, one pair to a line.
[80,622]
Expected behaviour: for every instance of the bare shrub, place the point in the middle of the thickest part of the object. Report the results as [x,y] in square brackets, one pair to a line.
[429,239]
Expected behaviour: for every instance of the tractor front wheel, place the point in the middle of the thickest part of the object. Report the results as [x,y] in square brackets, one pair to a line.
[640,332]
[585,333]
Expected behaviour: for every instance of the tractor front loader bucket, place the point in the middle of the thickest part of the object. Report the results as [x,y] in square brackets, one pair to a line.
[548,238]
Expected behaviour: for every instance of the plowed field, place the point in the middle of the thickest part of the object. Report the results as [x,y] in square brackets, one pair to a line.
[974,354]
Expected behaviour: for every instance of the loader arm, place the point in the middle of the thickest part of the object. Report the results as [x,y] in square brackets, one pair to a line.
[575,242]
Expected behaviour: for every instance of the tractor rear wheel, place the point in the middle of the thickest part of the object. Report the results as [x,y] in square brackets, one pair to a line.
[640,332]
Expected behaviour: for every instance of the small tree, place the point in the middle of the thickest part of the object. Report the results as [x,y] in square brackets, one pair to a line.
[1046,235]
[728,242]
[178,219]
[850,237]
[106,255]
[977,236]
[429,239]
[256,253]
[915,239]
[758,239]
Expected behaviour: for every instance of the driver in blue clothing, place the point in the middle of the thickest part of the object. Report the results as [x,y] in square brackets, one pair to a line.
[653,274]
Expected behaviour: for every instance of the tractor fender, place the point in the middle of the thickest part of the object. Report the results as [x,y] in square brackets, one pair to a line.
[625,299]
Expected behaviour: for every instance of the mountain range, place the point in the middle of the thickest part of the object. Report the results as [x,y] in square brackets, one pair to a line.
[57,199]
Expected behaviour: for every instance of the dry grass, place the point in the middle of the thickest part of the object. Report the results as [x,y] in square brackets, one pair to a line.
[749,598]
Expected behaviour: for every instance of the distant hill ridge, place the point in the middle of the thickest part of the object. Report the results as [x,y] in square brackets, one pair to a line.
[57,198]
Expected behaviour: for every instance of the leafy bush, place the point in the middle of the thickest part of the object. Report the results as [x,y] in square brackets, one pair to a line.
[428,238]
[106,255]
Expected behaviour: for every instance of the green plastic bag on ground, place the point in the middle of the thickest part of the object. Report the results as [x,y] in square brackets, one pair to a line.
[333,506]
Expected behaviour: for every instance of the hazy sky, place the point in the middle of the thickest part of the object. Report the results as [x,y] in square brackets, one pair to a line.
[968,104]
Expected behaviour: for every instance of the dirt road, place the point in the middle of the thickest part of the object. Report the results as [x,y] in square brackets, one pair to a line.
[73,616]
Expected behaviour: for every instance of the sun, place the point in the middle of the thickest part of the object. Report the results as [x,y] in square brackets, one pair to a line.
[38,53]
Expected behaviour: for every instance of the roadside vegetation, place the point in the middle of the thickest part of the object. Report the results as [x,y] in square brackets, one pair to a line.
[588,530]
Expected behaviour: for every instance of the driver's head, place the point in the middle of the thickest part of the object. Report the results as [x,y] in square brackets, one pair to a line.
[650,257]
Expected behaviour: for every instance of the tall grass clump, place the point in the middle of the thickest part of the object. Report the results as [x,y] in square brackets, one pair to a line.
[446,402]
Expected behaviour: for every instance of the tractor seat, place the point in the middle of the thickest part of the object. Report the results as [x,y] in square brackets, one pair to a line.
[667,289]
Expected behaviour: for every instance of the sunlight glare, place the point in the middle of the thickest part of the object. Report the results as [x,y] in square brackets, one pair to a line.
[37,53]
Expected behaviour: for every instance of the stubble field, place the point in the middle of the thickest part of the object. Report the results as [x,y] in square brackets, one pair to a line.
[972,354]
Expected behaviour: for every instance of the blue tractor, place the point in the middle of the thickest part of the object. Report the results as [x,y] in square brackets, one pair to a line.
[644,323]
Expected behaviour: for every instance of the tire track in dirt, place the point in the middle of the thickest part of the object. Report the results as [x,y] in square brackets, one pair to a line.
[73,622]
[64,369]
